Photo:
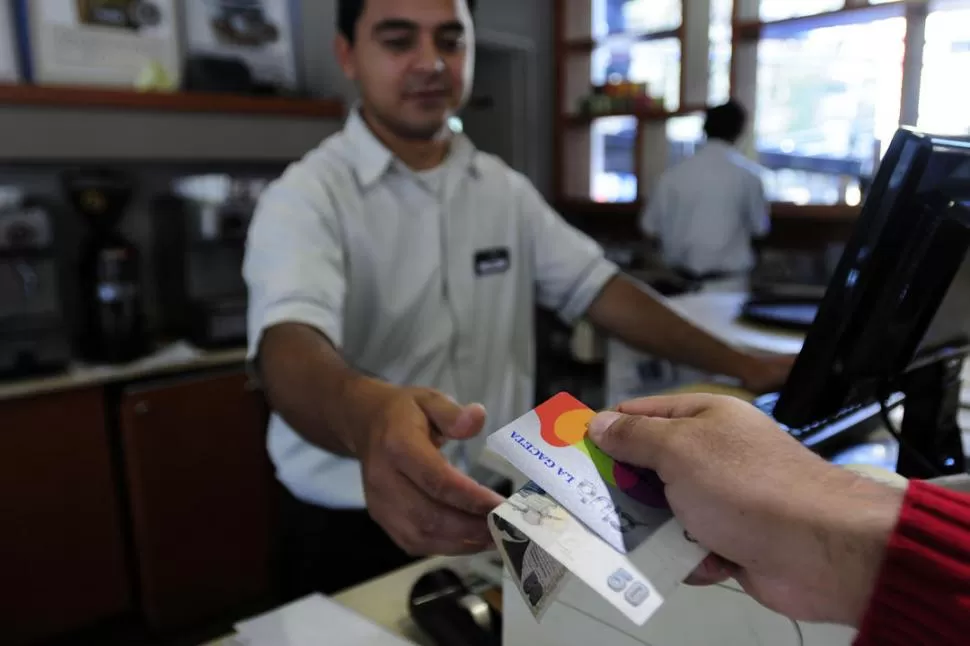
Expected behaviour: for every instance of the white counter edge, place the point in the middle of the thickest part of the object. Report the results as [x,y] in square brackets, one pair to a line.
[82,376]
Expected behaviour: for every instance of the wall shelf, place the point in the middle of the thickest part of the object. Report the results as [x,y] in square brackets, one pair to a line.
[826,212]
[793,227]
[754,29]
[71,124]
[779,210]
[85,97]
[589,44]
[581,120]
[575,207]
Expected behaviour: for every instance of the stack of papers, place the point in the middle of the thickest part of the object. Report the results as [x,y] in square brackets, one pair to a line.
[314,621]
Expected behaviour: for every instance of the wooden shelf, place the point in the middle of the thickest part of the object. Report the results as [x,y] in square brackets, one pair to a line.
[826,212]
[89,125]
[580,208]
[754,29]
[589,44]
[186,102]
[603,220]
[579,120]
[792,227]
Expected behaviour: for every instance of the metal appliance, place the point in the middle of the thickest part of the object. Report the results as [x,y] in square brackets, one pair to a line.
[112,326]
[200,242]
[34,336]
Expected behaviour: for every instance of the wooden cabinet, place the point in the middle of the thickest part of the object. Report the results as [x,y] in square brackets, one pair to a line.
[201,490]
[62,561]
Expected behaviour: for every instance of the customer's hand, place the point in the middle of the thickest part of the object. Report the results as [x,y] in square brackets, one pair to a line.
[426,505]
[766,373]
[803,537]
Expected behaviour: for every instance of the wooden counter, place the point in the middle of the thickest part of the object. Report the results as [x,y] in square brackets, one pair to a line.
[141,491]
[171,360]
[793,226]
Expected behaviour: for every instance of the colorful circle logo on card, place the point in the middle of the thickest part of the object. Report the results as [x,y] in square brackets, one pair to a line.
[563,421]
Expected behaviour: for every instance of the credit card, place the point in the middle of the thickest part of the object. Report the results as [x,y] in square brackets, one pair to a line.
[609,523]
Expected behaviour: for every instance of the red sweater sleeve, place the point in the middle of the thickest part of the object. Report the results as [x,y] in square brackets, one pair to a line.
[922,595]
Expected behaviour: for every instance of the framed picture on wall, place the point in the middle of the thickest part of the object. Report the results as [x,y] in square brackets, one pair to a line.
[257,33]
[9,67]
[102,42]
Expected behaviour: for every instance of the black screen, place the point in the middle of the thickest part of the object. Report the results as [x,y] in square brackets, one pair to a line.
[908,245]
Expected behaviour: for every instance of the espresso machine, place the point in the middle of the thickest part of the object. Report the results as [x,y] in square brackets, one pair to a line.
[34,334]
[111,317]
[200,242]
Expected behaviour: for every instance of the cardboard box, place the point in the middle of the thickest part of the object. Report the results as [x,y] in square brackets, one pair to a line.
[101,42]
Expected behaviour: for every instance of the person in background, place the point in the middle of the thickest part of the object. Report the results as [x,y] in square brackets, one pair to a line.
[807,539]
[705,212]
[393,277]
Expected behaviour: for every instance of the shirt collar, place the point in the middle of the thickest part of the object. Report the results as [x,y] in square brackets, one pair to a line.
[719,145]
[372,159]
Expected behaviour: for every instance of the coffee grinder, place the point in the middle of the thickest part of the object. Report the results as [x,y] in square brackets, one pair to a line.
[111,321]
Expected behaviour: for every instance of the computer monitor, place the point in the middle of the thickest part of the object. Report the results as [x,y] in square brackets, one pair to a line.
[896,315]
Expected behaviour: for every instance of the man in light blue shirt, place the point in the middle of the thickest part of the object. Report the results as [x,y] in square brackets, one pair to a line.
[705,211]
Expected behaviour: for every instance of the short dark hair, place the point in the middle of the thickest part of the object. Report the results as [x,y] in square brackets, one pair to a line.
[726,122]
[349,12]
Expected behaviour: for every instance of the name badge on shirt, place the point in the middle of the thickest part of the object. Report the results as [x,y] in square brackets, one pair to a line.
[489,262]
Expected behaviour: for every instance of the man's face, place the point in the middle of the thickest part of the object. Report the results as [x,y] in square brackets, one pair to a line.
[412,60]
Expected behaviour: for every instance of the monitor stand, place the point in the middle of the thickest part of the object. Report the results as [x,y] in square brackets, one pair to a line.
[930,424]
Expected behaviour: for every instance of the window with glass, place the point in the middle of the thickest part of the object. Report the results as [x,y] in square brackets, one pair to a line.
[654,62]
[828,103]
[719,64]
[684,135]
[613,175]
[781,9]
[944,102]
[635,16]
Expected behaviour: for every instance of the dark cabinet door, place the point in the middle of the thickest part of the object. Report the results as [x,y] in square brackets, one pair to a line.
[62,562]
[200,486]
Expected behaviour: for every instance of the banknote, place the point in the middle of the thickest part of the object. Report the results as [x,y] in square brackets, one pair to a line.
[537,575]
[606,522]
[637,583]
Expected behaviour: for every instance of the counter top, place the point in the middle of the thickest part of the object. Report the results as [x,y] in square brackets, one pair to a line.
[631,374]
[172,359]
[384,601]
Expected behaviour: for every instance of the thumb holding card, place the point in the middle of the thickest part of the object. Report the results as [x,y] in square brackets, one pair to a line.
[632,439]
[774,513]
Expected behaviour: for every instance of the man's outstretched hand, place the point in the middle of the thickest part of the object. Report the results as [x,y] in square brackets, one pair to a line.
[426,505]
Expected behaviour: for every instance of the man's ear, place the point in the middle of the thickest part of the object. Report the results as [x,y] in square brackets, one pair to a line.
[344,52]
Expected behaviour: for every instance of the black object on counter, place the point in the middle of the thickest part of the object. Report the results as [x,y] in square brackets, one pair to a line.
[450,615]
[796,314]
[218,75]
[111,318]
[34,333]
[199,249]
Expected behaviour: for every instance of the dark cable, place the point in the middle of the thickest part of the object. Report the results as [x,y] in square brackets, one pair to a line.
[903,446]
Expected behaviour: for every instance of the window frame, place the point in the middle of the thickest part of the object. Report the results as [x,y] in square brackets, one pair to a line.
[747,29]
